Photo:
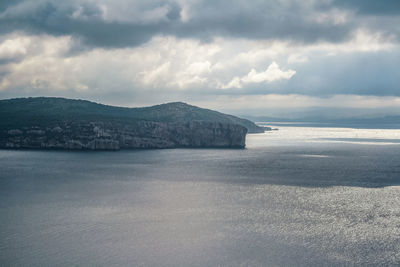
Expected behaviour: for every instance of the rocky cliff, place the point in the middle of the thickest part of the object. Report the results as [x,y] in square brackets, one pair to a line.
[114,136]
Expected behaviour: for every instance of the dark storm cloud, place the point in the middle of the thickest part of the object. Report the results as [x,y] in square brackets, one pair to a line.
[292,21]
[260,21]
[371,7]
[47,17]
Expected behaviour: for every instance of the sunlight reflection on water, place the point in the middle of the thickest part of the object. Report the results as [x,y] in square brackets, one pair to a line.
[290,135]
[290,199]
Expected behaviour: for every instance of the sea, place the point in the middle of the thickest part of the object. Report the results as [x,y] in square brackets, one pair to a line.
[296,196]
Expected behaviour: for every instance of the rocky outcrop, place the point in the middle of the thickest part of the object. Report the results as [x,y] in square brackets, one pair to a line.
[114,136]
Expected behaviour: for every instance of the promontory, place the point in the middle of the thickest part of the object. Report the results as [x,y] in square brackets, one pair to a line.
[59,123]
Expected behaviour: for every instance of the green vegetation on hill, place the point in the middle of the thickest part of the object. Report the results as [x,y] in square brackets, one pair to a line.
[43,111]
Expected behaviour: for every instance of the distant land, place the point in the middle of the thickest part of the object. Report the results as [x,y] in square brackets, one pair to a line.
[380,122]
[59,123]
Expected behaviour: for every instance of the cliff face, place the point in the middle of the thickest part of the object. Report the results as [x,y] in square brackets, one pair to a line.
[113,136]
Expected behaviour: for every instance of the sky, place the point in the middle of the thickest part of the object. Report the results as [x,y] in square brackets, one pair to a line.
[280,58]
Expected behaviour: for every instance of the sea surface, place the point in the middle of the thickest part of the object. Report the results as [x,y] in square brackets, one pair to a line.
[299,196]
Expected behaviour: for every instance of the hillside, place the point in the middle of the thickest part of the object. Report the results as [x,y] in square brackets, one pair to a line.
[58,123]
[45,110]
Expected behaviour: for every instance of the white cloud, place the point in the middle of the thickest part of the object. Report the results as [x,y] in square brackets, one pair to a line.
[156,76]
[164,62]
[11,48]
[271,74]
[235,83]
[333,16]
[297,58]
[199,67]
[4,84]
[164,66]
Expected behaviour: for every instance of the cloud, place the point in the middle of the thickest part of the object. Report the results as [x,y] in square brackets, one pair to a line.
[371,7]
[97,24]
[297,58]
[12,48]
[184,66]
[146,52]
[123,23]
[157,76]
[271,74]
